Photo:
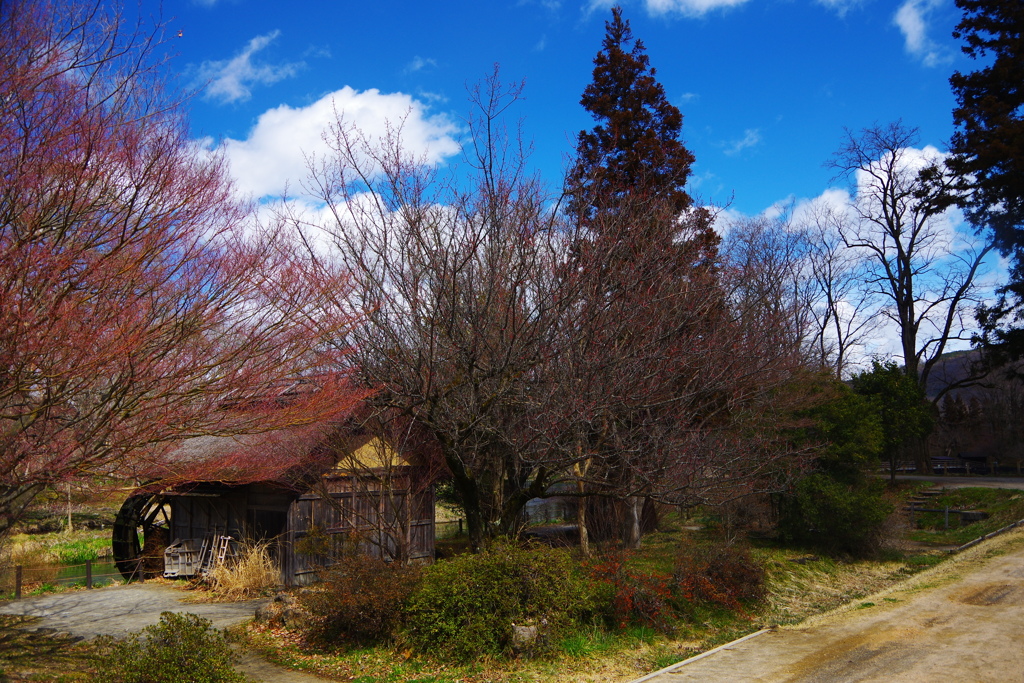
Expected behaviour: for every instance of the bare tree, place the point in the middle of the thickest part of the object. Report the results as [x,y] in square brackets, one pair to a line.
[842,309]
[462,298]
[925,270]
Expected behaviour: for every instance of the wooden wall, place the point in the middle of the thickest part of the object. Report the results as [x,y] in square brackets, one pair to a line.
[368,514]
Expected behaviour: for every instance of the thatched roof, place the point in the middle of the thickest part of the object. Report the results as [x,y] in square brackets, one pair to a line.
[285,457]
[291,457]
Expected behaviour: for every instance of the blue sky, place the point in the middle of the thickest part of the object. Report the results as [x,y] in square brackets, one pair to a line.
[766,86]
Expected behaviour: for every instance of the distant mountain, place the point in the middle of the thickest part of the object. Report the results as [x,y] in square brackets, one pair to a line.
[950,368]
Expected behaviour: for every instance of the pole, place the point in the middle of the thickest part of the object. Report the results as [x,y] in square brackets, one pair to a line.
[17,582]
[88,573]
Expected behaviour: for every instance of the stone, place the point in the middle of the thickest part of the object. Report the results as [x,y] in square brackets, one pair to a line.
[523,637]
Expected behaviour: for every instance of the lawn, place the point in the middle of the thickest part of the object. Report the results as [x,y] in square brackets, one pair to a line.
[1003,506]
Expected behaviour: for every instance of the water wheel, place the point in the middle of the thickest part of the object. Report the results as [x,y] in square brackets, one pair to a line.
[141,532]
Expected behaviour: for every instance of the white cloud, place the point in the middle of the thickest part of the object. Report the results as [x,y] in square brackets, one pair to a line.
[912,19]
[751,138]
[840,7]
[419,63]
[230,80]
[274,154]
[690,8]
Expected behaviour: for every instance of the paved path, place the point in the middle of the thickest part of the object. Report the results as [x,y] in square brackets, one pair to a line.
[952,482]
[120,610]
[961,621]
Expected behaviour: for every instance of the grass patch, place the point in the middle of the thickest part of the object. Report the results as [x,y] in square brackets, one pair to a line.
[77,551]
[1004,506]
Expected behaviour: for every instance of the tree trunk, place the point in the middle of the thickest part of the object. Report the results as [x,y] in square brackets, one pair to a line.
[581,522]
[636,505]
[581,508]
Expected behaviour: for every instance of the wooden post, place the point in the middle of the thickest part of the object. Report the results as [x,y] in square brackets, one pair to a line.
[88,573]
[947,518]
[17,582]
[460,526]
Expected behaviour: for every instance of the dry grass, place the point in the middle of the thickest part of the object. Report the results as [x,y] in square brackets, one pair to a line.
[253,573]
[950,570]
[33,555]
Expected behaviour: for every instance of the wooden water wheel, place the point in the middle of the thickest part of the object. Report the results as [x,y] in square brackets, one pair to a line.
[141,532]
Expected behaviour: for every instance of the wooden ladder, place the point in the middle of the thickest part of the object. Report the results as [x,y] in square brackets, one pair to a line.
[214,551]
[223,548]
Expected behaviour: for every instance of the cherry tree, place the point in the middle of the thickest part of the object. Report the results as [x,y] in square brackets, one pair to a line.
[134,308]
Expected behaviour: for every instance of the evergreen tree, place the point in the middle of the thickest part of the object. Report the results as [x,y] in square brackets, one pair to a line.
[900,404]
[989,146]
[633,156]
[989,141]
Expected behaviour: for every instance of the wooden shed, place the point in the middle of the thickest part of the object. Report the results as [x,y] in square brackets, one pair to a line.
[313,493]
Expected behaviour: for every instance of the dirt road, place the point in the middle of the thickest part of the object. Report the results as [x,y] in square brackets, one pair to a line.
[962,621]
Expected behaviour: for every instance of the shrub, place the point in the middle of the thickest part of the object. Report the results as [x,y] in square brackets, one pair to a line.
[254,572]
[361,599]
[627,597]
[719,573]
[181,647]
[834,517]
[466,606]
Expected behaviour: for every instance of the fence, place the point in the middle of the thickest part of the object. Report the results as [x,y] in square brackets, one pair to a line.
[14,579]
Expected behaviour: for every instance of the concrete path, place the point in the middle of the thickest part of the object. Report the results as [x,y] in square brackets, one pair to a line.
[952,482]
[120,610]
[960,621]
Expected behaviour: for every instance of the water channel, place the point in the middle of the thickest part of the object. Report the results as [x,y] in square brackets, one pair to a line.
[104,572]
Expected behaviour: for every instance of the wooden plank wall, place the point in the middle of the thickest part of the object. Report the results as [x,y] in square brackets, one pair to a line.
[364,514]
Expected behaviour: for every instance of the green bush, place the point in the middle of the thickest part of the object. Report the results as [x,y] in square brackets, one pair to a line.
[465,607]
[361,599]
[719,573]
[181,648]
[834,517]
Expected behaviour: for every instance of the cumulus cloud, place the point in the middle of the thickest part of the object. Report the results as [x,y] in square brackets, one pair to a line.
[751,138]
[912,19]
[273,156]
[231,80]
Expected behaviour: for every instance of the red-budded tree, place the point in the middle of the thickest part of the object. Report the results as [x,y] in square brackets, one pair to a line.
[133,310]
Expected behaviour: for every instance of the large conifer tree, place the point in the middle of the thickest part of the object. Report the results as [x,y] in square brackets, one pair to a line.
[989,141]
[633,155]
[989,147]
